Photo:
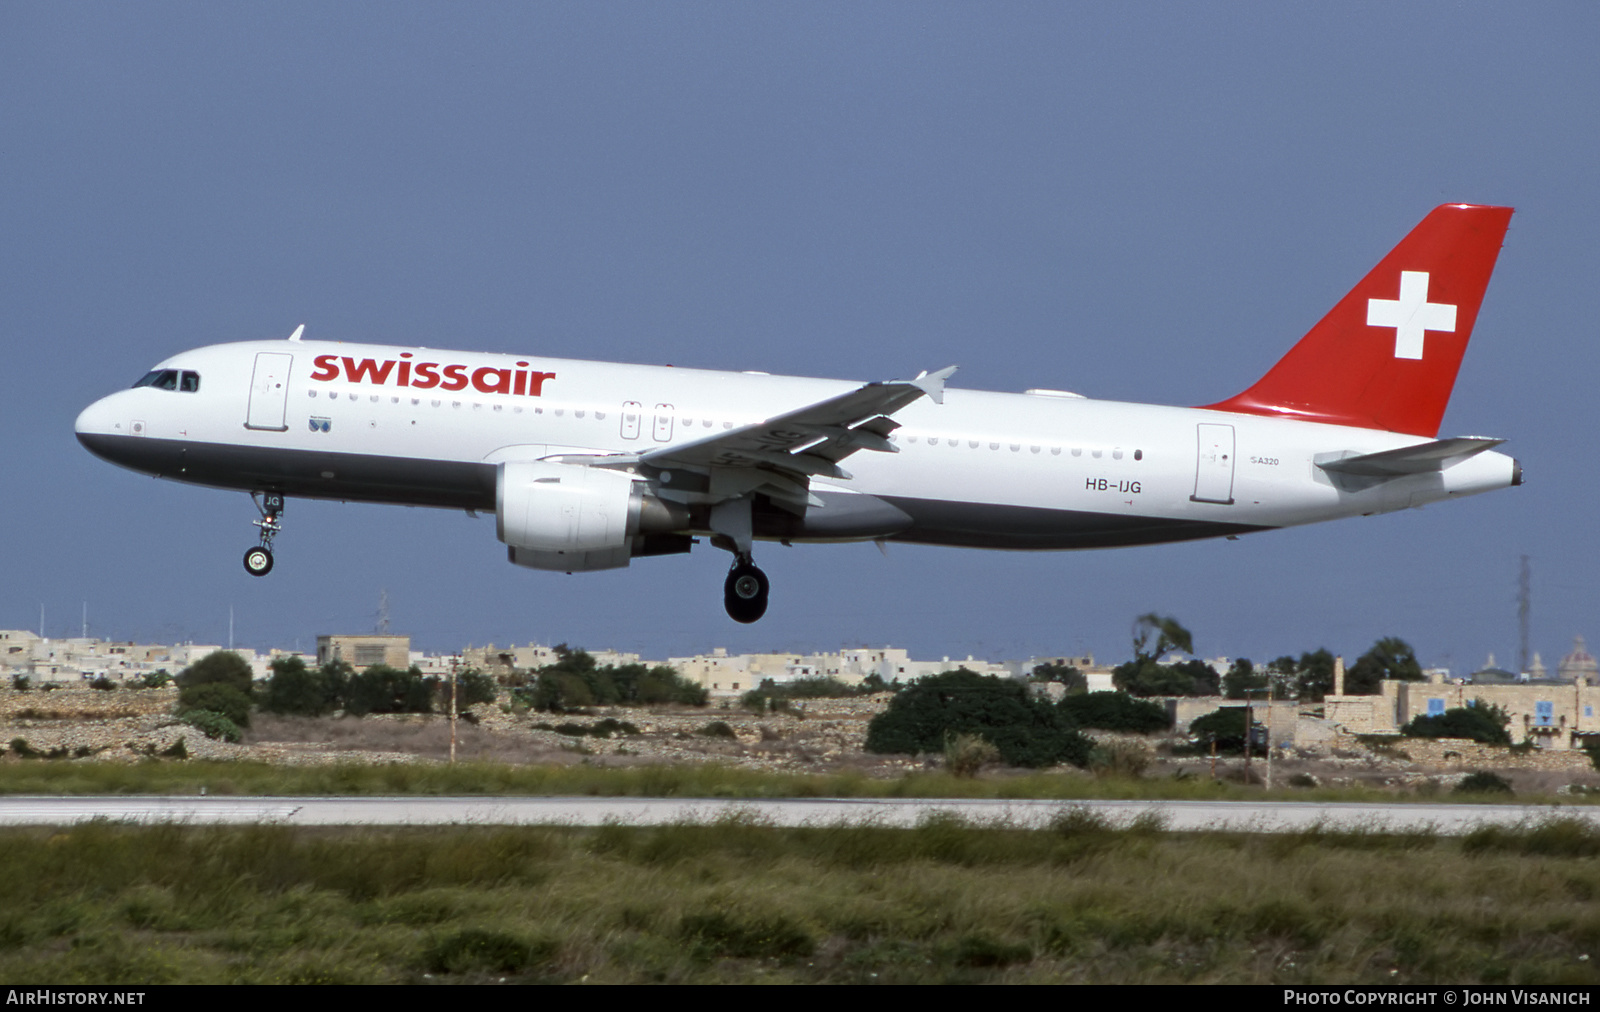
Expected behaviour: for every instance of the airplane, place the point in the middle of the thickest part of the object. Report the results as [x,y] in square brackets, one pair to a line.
[588,465]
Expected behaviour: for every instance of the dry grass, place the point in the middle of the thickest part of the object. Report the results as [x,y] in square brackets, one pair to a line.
[744,902]
[423,737]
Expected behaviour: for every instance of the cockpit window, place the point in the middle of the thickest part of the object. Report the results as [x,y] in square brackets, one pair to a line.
[171,379]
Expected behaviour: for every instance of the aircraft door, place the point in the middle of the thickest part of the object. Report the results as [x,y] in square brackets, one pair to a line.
[269,392]
[1213,472]
[662,431]
[632,411]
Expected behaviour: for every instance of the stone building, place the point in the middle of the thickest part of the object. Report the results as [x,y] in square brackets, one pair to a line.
[363,651]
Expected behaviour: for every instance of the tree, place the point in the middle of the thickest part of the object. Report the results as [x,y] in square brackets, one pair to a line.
[1070,677]
[1116,711]
[575,681]
[1242,675]
[1167,633]
[1284,674]
[382,689]
[222,667]
[1225,726]
[1314,675]
[1390,657]
[294,688]
[216,697]
[1480,722]
[221,682]
[1147,678]
[1026,730]
[472,687]
[1154,636]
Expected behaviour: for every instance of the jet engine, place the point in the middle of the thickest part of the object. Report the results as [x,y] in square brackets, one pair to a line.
[570,517]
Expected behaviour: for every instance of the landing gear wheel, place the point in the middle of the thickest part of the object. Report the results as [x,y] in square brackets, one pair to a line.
[258,561]
[745,593]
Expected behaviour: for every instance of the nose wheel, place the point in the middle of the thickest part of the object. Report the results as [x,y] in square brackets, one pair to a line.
[258,560]
[745,592]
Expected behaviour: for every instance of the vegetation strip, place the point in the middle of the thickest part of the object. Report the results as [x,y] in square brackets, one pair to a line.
[700,780]
[740,901]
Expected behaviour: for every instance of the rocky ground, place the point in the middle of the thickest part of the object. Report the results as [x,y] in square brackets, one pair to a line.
[822,736]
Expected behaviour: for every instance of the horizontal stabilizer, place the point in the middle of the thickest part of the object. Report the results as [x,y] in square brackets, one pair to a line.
[1424,457]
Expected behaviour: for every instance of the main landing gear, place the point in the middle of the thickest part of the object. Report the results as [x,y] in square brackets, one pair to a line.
[258,560]
[744,593]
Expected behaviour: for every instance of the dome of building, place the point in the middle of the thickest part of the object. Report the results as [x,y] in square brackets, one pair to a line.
[1578,664]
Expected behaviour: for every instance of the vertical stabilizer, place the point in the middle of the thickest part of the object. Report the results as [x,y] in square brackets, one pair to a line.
[1386,356]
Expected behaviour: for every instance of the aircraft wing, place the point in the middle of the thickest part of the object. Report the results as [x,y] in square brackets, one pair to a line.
[779,456]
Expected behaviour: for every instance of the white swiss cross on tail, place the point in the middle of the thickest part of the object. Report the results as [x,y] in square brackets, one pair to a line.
[1411,314]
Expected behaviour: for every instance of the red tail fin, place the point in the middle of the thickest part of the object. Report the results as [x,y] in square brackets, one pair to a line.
[1386,357]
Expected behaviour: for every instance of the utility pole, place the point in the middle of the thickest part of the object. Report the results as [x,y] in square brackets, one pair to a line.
[453,666]
[1524,606]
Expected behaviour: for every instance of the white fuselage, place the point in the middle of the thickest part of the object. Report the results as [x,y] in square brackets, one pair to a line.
[981,469]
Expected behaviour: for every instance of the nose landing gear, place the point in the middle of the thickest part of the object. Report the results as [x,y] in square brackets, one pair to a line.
[258,560]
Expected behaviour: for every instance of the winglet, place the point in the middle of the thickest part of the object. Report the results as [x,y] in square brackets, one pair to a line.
[932,383]
[297,332]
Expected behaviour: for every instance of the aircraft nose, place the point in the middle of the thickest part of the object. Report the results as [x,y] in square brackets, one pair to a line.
[94,420]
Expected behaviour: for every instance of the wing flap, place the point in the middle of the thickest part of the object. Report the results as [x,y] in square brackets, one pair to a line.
[808,441]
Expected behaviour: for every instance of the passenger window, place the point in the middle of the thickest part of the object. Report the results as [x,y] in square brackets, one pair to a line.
[190,383]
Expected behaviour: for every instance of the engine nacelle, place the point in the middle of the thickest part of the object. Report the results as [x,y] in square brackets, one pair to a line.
[568,517]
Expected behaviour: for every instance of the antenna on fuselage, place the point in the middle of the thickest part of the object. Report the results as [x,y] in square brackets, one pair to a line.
[297,332]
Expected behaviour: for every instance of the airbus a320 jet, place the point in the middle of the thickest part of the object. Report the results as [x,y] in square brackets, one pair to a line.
[588,465]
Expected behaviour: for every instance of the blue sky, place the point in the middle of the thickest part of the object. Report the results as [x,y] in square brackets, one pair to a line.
[1143,202]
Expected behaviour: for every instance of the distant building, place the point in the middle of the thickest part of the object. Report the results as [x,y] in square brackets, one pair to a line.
[1578,664]
[363,651]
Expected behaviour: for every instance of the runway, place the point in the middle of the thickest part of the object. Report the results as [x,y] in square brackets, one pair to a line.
[1177,816]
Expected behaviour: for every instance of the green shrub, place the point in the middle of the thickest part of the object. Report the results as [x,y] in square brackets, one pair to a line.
[719,934]
[216,697]
[1484,782]
[155,679]
[212,724]
[717,729]
[487,951]
[21,683]
[1121,759]
[1116,711]
[293,688]
[1225,726]
[382,689]
[966,754]
[222,666]
[575,681]
[472,687]
[1028,731]
[599,729]
[983,951]
[102,683]
[1478,722]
